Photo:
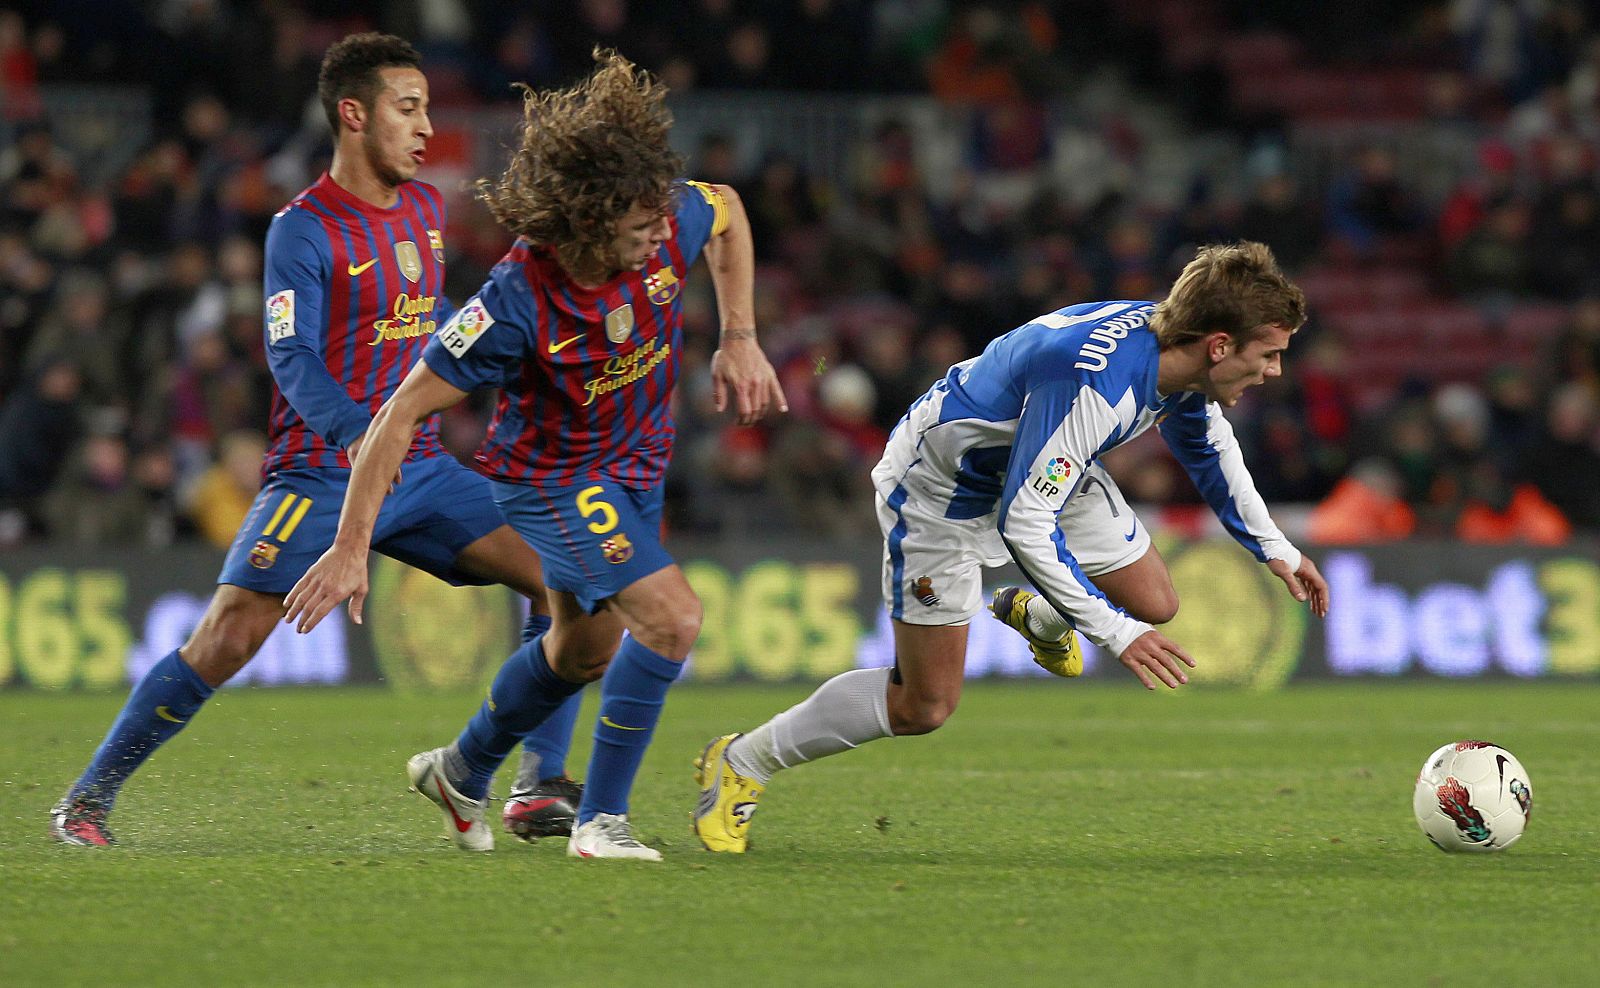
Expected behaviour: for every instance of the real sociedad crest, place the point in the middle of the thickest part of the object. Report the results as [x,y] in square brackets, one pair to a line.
[405,254]
[619,323]
[661,287]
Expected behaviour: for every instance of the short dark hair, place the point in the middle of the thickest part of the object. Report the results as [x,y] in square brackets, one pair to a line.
[350,70]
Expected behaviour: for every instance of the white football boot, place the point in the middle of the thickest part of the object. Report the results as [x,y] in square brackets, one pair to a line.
[608,835]
[463,817]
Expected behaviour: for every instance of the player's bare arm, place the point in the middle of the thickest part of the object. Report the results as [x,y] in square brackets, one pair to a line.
[341,573]
[738,367]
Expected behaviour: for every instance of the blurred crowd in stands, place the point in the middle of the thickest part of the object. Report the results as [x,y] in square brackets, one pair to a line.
[1446,386]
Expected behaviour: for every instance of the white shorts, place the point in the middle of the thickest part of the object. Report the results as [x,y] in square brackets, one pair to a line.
[933,566]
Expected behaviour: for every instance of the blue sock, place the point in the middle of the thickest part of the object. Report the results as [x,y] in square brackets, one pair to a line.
[159,706]
[551,740]
[524,693]
[631,697]
[547,746]
[536,625]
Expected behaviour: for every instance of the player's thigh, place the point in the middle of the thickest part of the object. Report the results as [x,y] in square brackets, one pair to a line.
[595,539]
[437,520]
[579,644]
[1100,527]
[1143,588]
[504,557]
[932,566]
[290,525]
[232,630]
[661,610]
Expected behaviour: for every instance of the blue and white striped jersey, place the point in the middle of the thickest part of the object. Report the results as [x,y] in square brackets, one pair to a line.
[1011,432]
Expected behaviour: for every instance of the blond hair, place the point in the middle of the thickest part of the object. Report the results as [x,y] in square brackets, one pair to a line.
[588,155]
[1229,288]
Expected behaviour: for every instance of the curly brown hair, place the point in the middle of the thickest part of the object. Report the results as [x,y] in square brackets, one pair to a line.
[1231,288]
[589,154]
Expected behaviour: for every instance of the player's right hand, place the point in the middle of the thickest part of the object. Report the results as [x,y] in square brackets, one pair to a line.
[1153,653]
[341,574]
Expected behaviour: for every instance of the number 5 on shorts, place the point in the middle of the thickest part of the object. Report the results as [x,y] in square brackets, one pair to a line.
[589,504]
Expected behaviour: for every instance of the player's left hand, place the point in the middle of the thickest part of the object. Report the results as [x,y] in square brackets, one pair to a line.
[339,575]
[1305,583]
[741,370]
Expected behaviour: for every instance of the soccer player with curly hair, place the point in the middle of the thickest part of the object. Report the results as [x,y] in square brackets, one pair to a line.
[581,326]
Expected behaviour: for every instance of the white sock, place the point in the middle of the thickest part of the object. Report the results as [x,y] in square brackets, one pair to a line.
[845,712]
[1045,621]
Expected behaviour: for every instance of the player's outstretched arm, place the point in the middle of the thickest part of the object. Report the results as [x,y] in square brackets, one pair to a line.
[341,573]
[738,368]
[1305,583]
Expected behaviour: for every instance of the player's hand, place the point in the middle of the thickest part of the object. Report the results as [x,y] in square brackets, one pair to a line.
[339,575]
[739,369]
[1305,583]
[1154,654]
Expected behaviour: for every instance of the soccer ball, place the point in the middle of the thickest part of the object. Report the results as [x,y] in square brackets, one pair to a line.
[1472,796]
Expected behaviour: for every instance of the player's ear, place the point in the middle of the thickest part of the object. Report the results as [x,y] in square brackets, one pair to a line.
[1217,345]
[352,114]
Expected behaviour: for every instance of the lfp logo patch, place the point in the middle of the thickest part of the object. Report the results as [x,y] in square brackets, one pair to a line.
[1057,470]
[465,327]
[280,316]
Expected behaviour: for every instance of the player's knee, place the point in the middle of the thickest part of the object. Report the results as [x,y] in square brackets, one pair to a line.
[920,716]
[674,631]
[1158,607]
[226,639]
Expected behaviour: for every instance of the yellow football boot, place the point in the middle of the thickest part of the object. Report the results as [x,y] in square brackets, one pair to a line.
[727,800]
[1061,657]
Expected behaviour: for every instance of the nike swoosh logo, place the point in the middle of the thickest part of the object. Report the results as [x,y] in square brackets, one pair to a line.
[166,714]
[462,826]
[621,727]
[1500,763]
[1132,532]
[558,347]
[355,270]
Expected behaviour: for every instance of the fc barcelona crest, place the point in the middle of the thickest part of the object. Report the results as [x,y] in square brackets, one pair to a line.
[436,243]
[619,323]
[661,287]
[263,555]
[405,254]
[617,549]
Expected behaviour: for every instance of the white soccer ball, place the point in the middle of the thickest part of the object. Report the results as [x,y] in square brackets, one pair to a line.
[1473,796]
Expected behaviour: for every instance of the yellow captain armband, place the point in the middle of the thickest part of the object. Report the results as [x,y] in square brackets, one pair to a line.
[719,206]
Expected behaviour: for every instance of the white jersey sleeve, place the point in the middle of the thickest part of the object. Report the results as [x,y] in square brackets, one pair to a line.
[1203,441]
[1064,425]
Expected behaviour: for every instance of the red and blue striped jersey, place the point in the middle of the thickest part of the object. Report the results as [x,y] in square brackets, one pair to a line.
[587,373]
[353,293]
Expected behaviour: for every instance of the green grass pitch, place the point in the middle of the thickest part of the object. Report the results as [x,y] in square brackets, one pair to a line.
[1052,833]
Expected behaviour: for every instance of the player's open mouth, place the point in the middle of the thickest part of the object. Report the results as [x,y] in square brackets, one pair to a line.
[418,156]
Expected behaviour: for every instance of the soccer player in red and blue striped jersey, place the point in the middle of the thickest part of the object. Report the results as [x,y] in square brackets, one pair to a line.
[581,325]
[354,291]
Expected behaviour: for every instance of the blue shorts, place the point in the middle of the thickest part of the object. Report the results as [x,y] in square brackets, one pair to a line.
[440,508]
[594,539]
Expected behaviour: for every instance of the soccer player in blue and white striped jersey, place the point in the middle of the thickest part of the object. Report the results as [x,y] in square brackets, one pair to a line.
[998,461]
